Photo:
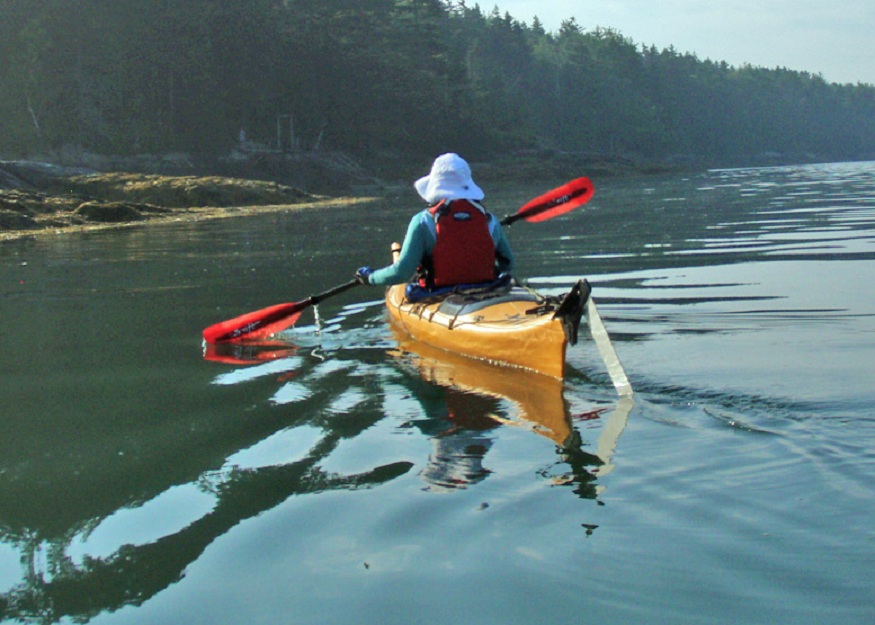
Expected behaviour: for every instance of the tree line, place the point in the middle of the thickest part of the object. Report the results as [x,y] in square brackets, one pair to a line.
[392,77]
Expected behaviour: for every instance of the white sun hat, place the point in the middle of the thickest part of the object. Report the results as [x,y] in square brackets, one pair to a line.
[450,179]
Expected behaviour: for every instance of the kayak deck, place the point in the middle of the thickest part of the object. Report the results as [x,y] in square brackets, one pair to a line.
[510,326]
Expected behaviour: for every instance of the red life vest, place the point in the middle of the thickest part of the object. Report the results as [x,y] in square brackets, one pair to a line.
[464,252]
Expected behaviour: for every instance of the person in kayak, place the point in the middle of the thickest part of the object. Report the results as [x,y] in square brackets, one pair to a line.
[454,241]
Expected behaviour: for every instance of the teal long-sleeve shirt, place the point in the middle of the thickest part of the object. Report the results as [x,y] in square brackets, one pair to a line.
[419,243]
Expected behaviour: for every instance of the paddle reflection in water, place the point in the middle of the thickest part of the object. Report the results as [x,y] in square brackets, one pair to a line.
[248,352]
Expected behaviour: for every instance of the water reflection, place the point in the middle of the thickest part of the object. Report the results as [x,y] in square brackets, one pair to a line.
[78,573]
[123,557]
[461,402]
[55,586]
[476,397]
[459,417]
[248,352]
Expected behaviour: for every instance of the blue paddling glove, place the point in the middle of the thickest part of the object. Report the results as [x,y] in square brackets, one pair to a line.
[363,275]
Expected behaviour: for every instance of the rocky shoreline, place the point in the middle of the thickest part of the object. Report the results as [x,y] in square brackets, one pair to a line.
[38,198]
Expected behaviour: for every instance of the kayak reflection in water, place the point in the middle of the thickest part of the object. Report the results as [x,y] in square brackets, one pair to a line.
[460,427]
[455,241]
[464,402]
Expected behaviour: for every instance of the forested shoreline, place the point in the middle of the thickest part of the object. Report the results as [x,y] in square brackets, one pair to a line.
[387,80]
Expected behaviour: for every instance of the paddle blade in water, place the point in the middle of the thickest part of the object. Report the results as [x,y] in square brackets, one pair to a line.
[248,352]
[558,201]
[259,324]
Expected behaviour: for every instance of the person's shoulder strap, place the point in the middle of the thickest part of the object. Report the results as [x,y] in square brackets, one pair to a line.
[427,220]
[491,220]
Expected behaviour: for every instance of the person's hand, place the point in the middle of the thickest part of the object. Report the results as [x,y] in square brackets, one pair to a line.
[363,274]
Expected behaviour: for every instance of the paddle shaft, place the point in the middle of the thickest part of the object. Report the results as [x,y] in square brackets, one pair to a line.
[315,299]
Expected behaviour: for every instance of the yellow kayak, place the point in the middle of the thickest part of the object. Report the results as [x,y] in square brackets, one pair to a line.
[508,325]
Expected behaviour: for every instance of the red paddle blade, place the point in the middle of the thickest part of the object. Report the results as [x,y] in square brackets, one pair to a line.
[557,201]
[259,324]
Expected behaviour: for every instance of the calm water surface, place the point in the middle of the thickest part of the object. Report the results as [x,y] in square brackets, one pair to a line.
[333,477]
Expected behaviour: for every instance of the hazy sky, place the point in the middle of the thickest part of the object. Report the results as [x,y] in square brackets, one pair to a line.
[834,38]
